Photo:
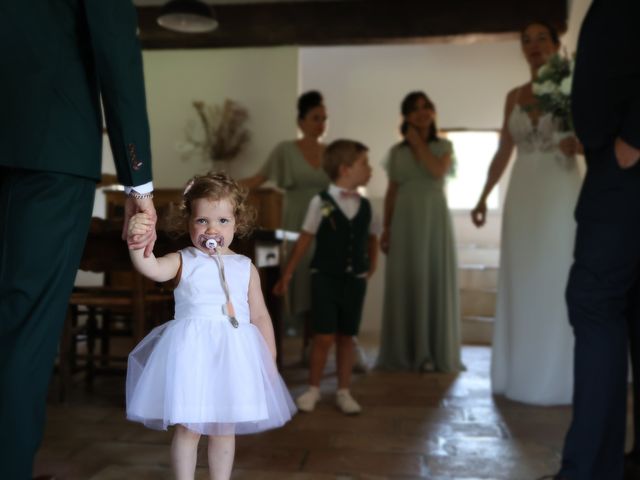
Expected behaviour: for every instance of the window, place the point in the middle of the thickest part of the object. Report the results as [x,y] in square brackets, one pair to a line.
[474,150]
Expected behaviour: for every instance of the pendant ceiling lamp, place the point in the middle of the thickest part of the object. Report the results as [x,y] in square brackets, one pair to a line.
[187,16]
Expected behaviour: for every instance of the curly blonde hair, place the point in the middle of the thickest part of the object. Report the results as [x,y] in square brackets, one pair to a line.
[214,186]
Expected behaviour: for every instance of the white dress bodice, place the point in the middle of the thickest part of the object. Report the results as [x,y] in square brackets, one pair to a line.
[199,292]
[530,137]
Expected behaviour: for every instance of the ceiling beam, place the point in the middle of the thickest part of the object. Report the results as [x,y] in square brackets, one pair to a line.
[342,22]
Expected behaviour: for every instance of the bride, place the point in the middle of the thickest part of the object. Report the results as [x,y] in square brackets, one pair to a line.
[532,359]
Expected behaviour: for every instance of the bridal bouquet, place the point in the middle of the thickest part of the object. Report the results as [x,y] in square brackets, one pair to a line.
[552,90]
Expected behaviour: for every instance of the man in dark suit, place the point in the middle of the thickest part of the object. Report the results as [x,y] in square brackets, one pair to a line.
[603,283]
[57,58]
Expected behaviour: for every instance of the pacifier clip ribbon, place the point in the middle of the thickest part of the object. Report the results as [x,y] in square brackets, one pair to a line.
[211,244]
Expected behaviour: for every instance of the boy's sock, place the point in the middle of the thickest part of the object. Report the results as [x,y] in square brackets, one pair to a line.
[346,403]
[307,401]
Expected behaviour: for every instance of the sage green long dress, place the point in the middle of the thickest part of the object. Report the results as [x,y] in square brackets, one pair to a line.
[421,313]
[288,169]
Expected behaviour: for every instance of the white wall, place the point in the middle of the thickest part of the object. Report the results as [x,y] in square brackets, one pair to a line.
[577,11]
[264,80]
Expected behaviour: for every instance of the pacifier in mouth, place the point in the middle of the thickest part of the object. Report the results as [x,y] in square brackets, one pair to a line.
[211,242]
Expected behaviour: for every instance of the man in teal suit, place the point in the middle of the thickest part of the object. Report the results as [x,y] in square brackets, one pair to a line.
[57,58]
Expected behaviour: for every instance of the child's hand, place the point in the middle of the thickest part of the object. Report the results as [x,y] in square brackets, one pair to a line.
[282,286]
[569,146]
[385,239]
[139,225]
[413,137]
[479,214]
[626,155]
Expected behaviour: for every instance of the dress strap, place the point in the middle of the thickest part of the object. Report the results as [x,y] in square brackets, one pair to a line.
[516,102]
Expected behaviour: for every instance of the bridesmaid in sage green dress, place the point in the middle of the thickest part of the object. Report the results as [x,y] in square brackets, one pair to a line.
[296,167]
[420,325]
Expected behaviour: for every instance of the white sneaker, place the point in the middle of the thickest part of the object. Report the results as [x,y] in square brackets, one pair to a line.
[360,363]
[307,401]
[346,403]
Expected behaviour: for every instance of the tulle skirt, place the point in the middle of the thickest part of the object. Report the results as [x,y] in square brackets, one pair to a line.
[207,376]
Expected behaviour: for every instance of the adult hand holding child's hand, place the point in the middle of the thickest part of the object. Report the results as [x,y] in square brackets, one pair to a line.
[132,207]
[139,226]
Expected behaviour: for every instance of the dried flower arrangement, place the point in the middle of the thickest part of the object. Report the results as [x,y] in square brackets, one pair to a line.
[225,134]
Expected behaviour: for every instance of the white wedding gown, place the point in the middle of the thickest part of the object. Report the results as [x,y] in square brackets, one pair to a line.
[532,358]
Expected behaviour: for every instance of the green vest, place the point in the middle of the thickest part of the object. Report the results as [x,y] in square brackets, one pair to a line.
[57,59]
[342,244]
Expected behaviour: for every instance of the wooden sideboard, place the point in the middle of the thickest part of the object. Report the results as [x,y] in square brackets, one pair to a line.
[266,201]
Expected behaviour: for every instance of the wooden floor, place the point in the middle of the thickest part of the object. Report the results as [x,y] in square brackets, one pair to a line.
[427,426]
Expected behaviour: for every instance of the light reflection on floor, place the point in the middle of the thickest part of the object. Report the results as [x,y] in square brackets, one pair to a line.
[432,426]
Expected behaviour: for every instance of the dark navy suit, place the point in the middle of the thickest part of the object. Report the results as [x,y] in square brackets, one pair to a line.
[603,288]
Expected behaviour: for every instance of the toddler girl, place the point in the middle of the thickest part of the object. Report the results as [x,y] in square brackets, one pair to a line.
[212,369]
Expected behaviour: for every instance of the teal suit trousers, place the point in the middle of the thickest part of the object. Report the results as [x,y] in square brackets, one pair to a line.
[44,220]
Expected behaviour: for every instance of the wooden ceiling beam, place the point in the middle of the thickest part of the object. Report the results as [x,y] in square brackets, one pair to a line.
[349,22]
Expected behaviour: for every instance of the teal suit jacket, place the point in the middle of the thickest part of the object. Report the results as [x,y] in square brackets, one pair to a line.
[62,56]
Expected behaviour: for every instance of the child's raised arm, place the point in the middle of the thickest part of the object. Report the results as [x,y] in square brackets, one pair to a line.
[258,310]
[157,269]
[299,249]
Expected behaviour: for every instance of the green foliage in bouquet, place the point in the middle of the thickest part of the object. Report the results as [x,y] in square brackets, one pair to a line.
[552,90]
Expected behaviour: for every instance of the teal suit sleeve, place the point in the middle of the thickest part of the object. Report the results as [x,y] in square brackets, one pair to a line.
[118,62]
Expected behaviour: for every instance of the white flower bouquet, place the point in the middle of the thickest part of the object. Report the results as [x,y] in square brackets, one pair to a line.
[552,90]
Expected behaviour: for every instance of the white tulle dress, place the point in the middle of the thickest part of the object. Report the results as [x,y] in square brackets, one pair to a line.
[198,370]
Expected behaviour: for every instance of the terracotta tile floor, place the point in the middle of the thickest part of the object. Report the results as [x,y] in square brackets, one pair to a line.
[428,426]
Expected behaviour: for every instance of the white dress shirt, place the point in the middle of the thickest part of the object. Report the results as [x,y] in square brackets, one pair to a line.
[144,188]
[348,204]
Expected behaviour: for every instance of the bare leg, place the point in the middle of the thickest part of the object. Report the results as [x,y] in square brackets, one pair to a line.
[319,351]
[221,451]
[184,453]
[344,359]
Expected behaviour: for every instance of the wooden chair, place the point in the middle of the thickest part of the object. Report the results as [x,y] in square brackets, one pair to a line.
[97,314]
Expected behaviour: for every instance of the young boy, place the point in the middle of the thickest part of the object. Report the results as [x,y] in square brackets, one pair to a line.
[345,256]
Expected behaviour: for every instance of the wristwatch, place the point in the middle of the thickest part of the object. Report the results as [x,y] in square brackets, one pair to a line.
[140,196]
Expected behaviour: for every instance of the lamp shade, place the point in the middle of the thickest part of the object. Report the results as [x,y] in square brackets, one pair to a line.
[187,16]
